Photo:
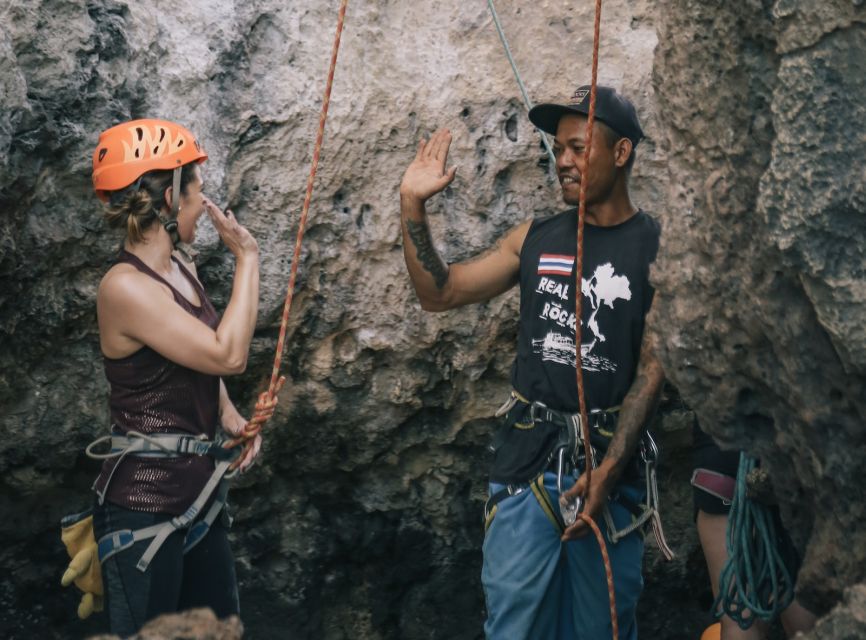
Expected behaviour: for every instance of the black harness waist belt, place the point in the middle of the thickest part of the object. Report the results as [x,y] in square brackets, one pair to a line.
[526,414]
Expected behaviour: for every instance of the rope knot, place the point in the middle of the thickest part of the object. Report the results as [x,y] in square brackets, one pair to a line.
[264,410]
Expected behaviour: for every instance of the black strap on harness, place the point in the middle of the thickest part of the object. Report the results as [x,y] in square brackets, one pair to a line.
[529,413]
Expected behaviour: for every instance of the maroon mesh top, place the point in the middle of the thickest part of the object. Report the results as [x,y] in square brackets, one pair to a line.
[152,394]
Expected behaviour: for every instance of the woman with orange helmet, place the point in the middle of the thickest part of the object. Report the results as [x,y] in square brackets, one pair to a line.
[165,348]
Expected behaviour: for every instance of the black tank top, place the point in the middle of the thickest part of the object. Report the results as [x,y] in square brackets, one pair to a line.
[616,297]
[151,394]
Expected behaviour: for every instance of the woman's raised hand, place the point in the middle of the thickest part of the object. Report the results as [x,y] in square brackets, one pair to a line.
[238,240]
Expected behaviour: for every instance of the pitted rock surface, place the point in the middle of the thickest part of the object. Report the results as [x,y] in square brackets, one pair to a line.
[362,519]
[761,280]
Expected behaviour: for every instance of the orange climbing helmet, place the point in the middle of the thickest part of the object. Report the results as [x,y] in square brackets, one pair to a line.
[713,632]
[127,151]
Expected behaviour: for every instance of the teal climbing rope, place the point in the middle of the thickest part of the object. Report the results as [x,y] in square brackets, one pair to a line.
[755,582]
[526,100]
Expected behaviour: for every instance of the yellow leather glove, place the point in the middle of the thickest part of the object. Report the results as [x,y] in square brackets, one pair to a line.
[84,570]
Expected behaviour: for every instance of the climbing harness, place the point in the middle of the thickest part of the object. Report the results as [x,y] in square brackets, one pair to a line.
[755,583]
[526,101]
[714,483]
[564,461]
[538,490]
[165,445]
[158,445]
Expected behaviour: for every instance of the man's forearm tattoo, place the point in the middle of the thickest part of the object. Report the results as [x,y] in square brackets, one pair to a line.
[419,232]
[638,406]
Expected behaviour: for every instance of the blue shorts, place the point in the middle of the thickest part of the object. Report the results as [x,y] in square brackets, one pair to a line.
[538,588]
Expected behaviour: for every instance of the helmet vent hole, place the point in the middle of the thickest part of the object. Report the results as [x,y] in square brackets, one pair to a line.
[180,143]
[156,150]
[140,133]
[102,153]
[137,153]
[161,135]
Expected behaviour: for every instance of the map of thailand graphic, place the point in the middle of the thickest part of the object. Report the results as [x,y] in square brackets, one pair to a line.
[603,288]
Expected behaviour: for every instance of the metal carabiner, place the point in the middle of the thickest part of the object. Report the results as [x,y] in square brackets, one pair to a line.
[649,457]
[567,508]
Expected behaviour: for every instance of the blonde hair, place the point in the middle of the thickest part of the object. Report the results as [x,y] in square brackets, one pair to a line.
[133,212]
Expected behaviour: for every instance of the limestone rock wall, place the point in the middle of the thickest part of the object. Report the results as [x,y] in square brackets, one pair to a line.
[363,518]
[762,279]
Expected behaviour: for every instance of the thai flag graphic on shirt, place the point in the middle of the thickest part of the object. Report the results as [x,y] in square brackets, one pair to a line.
[554,264]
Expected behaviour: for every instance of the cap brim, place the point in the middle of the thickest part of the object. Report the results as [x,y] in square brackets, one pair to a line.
[546,116]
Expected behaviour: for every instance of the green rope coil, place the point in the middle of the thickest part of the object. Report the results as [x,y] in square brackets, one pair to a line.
[755,582]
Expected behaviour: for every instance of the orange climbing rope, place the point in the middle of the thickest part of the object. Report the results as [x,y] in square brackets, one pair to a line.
[268,399]
[578,304]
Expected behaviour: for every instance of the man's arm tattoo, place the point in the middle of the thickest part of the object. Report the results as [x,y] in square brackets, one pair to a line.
[638,406]
[429,258]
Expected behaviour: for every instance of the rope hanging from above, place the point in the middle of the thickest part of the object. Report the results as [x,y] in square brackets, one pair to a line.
[526,101]
[578,275]
[578,304]
[267,400]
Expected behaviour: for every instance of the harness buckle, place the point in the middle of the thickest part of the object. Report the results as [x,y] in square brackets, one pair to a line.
[534,411]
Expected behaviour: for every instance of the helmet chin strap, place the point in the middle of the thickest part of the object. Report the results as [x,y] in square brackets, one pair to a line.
[170,224]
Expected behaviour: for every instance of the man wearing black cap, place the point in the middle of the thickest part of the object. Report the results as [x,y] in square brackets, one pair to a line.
[543,579]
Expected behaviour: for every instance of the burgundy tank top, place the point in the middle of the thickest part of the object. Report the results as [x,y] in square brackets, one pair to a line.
[151,394]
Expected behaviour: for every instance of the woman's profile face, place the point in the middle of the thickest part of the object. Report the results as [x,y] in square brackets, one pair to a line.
[191,208]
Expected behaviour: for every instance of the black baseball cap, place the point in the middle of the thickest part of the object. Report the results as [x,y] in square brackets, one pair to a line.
[613,109]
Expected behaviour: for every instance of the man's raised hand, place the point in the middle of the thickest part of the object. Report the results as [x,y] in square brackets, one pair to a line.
[426,175]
